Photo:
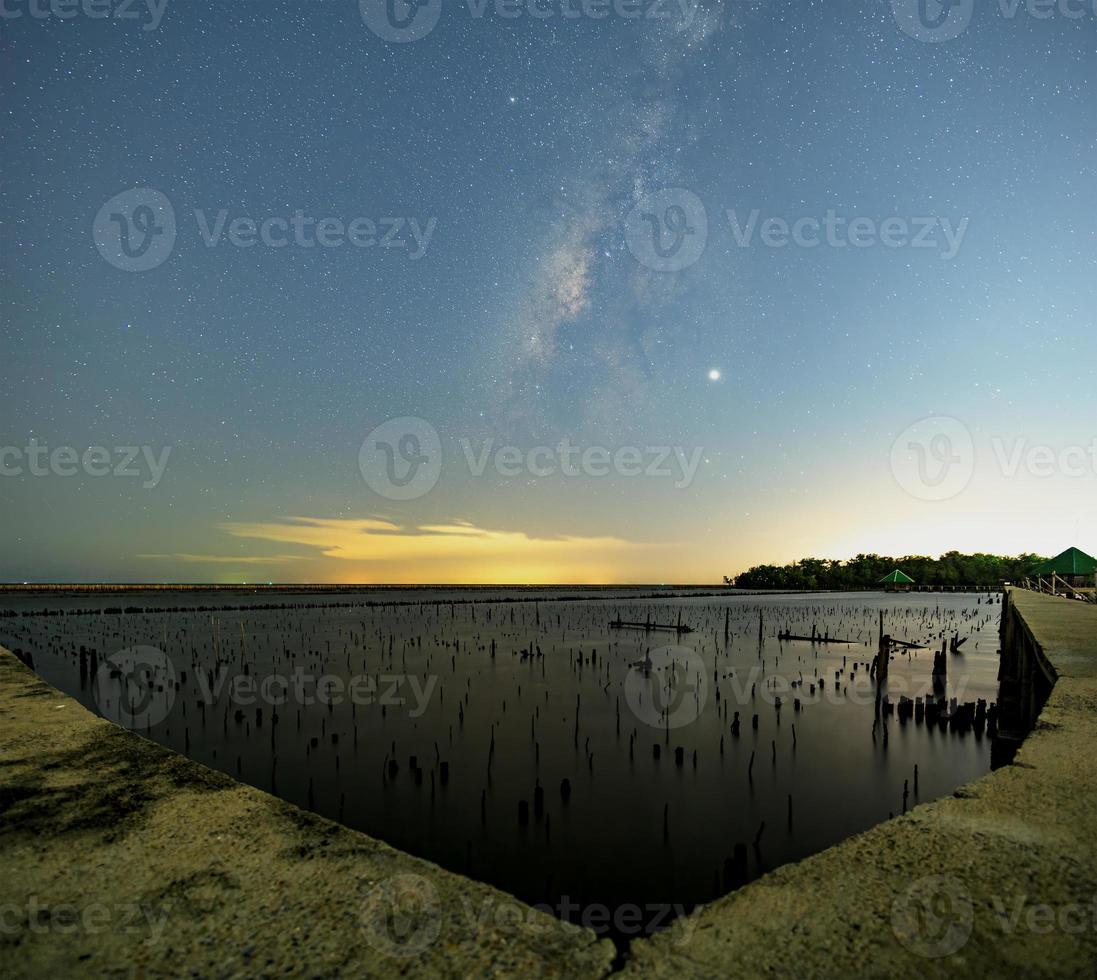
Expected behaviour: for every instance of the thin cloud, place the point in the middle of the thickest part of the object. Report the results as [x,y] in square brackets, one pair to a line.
[229,559]
[380,550]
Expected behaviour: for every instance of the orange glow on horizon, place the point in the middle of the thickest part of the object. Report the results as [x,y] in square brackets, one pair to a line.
[375,551]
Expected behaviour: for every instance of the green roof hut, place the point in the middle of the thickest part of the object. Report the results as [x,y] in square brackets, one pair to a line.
[897,581]
[1073,567]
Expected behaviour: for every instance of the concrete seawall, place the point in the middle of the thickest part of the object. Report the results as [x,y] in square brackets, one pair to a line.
[119,856]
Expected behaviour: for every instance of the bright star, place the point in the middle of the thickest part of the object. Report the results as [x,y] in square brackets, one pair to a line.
[714,375]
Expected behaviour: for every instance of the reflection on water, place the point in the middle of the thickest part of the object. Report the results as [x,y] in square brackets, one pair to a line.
[518,738]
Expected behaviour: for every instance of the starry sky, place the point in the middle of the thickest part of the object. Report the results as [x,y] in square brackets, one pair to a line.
[532,154]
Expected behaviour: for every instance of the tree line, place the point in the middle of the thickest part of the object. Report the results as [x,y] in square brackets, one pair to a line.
[866,571]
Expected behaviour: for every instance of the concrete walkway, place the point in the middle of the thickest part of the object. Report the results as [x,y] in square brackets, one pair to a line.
[120,857]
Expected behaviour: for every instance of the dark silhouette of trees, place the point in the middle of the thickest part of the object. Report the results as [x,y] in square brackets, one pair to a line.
[866,571]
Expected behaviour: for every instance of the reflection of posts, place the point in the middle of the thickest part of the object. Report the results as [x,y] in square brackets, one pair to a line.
[940,668]
[879,668]
[735,868]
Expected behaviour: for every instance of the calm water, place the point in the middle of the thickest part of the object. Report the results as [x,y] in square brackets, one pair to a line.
[497,693]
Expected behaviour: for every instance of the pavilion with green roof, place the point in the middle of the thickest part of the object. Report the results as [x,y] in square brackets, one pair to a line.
[1073,566]
[1073,561]
[896,581]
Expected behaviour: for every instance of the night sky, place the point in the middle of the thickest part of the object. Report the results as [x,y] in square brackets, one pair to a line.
[502,173]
